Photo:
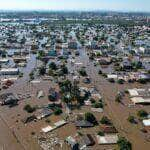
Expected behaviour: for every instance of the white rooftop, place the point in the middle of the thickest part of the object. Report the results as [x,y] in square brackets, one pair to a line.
[107,139]
[60,123]
[112,76]
[146,122]
[133,92]
[139,100]
[47,129]
[9,69]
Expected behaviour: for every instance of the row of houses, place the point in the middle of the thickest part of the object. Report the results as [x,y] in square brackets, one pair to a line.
[139,96]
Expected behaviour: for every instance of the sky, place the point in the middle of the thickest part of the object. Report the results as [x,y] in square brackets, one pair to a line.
[87,5]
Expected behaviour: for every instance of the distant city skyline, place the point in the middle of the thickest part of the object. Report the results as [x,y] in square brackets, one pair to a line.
[84,5]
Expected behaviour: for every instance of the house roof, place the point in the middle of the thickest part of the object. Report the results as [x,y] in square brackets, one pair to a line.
[83,123]
[108,129]
[140,100]
[70,140]
[107,139]
[29,119]
[87,140]
[60,123]
[100,110]
[43,113]
[47,129]
[133,92]
[146,122]
[112,76]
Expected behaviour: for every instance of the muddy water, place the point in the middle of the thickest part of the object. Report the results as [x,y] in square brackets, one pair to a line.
[8,140]
[117,113]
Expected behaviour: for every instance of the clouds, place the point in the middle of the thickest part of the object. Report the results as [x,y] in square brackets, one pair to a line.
[120,5]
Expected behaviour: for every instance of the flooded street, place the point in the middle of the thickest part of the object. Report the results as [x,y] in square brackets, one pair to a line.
[74,80]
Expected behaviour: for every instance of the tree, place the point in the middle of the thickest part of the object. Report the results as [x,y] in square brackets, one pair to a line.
[42,70]
[120,81]
[82,72]
[124,144]
[100,133]
[64,69]
[23,41]
[67,99]
[98,105]
[105,120]
[31,75]
[111,80]
[118,98]
[50,72]
[41,54]
[65,86]
[52,66]
[131,81]
[142,81]
[90,118]
[142,113]
[52,97]
[57,111]
[29,108]
[100,72]
[131,119]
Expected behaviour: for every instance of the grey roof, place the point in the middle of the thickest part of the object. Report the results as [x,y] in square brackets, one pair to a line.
[87,140]
[83,123]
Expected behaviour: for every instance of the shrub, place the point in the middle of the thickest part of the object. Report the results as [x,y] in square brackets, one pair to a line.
[32,133]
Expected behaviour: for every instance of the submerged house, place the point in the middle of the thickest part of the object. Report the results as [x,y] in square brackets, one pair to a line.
[45,112]
[72,142]
[107,139]
[83,124]
[9,71]
[126,64]
[8,99]
[86,140]
[52,53]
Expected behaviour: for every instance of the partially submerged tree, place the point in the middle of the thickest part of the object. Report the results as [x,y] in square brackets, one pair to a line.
[91,118]
[124,144]
[142,113]
[29,108]
[105,120]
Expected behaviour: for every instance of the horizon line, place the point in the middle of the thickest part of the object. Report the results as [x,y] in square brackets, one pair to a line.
[71,10]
